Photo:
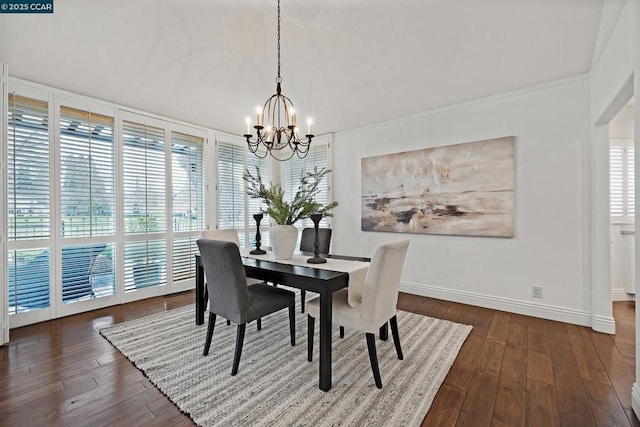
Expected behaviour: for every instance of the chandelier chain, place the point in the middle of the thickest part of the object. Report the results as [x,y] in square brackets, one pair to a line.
[278,79]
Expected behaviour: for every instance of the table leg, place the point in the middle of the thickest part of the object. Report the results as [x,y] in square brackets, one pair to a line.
[325,340]
[200,294]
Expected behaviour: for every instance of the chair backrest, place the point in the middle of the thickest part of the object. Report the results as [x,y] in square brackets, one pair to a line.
[228,295]
[381,287]
[307,241]
[227,235]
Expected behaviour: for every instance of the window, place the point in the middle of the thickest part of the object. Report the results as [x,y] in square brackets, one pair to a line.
[97,208]
[87,168]
[87,204]
[145,256]
[231,212]
[187,178]
[256,205]
[235,209]
[29,205]
[622,180]
[293,170]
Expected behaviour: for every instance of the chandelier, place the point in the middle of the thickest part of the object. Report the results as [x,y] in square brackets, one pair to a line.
[276,125]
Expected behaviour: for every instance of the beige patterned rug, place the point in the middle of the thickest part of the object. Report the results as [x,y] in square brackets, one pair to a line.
[275,384]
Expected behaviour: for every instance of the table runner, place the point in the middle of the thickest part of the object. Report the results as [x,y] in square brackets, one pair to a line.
[357,270]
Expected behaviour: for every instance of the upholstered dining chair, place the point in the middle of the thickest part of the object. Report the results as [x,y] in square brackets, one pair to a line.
[231,298]
[226,235]
[307,244]
[377,305]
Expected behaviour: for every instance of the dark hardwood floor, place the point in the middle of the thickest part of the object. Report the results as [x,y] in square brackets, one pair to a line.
[513,370]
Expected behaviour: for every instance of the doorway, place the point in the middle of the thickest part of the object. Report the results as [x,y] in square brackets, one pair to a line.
[622,204]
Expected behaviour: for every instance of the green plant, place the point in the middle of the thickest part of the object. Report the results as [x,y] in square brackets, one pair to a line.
[303,203]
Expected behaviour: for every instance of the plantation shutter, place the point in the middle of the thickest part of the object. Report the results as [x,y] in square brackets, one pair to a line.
[318,159]
[28,169]
[28,204]
[292,171]
[231,194]
[631,187]
[256,205]
[187,175]
[87,203]
[622,180]
[144,178]
[144,181]
[87,169]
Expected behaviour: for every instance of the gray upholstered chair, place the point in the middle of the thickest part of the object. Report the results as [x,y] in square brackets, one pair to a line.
[231,298]
[377,305]
[307,244]
[226,235]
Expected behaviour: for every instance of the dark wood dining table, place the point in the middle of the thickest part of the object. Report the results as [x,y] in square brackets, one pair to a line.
[322,281]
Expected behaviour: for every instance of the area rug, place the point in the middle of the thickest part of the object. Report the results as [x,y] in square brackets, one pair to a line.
[275,384]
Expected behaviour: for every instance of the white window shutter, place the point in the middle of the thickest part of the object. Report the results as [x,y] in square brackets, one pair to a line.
[28,204]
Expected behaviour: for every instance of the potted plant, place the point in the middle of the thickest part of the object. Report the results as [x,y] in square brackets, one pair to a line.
[283,235]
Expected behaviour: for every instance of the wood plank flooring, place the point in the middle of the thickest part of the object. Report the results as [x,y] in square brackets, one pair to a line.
[513,370]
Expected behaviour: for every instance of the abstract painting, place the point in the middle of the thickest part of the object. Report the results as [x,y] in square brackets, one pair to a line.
[463,189]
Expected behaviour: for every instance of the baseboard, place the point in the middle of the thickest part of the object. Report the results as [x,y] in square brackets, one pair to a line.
[621,295]
[561,314]
[606,325]
[635,399]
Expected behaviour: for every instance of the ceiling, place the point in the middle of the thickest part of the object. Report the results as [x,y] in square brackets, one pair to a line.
[346,63]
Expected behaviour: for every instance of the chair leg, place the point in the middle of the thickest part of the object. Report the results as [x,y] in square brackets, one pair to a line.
[396,337]
[238,353]
[303,299]
[384,331]
[259,323]
[292,323]
[212,324]
[310,324]
[341,331]
[228,322]
[373,358]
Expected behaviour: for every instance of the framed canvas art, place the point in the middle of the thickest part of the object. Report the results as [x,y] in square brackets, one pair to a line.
[463,189]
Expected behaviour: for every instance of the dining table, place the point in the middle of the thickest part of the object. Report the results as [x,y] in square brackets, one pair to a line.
[323,279]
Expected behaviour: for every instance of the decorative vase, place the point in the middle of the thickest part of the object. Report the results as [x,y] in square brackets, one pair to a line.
[283,240]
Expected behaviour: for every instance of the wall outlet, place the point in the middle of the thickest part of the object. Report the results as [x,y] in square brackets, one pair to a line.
[537,291]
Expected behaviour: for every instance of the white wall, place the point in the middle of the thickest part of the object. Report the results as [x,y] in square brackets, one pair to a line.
[551,126]
[612,85]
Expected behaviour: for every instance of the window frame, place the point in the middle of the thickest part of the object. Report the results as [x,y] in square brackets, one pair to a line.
[59,242]
[34,316]
[55,98]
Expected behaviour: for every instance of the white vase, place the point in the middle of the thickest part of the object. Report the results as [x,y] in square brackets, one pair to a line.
[283,240]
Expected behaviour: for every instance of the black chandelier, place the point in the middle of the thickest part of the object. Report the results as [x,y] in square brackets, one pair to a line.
[276,125]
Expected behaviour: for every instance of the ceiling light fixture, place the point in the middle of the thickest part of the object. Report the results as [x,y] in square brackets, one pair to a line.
[276,127]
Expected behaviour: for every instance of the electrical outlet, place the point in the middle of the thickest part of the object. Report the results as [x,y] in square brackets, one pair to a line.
[537,291]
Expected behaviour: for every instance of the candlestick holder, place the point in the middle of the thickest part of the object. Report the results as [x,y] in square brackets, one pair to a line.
[317,259]
[257,250]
